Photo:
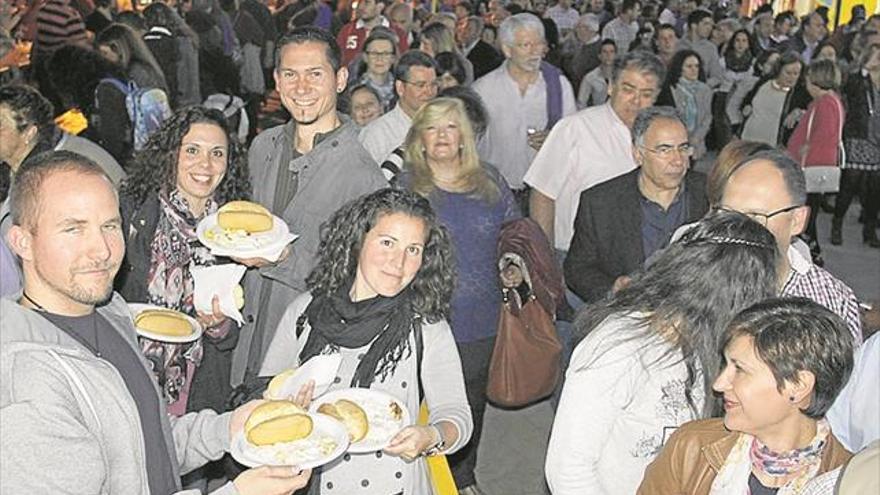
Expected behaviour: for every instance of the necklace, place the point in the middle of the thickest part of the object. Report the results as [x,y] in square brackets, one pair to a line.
[96,346]
[34,303]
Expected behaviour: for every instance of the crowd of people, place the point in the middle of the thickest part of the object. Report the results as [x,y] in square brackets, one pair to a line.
[673,157]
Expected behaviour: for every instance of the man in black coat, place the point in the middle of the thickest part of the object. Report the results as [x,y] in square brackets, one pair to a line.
[482,55]
[622,222]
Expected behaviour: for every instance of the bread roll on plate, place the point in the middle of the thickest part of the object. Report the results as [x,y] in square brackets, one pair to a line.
[164,322]
[351,415]
[244,215]
[276,422]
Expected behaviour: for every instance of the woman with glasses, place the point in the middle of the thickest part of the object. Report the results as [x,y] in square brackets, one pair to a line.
[374,69]
[472,201]
[645,364]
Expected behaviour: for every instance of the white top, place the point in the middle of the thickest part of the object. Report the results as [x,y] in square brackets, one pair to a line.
[619,404]
[443,389]
[385,134]
[505,144]
[622,34]
[585,149]
[855,414]
[593,90]
[565,19]
[762,124]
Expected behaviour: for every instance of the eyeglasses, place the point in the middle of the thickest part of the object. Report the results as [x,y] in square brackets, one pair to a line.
[665,150]
[423,84]
[762,218]
[379,54]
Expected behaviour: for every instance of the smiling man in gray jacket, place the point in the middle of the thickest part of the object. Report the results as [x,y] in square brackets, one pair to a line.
[79,409]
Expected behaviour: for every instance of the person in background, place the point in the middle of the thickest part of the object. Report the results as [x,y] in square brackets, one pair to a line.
[352,36]
[593,89]
[450,70]
[813,30]
[624,221]
[581,50]
[472,201]
[564,15]
[686,89]
[77,397]
[623,28]
[375,68]
[164,43]
[119,44]
[700,26]
[189,168]
[437,38]
[103,15]
[769,104]
[785,361]
[861,136]
[643,366]
[386,271]
[415,81]
[365,104]
[816,140]
[667,43]
[763,65]
[482,55]
[525,98]
[853,415]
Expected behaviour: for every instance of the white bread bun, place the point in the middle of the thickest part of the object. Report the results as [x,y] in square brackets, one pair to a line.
[351,415]
[244,215]
[164,322]
[277,421]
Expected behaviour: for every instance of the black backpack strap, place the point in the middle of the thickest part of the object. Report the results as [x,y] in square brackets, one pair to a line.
[420,352]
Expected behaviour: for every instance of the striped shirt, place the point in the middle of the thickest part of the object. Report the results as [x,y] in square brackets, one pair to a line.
[810,281]
[59,24]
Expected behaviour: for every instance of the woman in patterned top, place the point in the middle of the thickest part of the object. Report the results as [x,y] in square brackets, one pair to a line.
[646,363]
[187,169]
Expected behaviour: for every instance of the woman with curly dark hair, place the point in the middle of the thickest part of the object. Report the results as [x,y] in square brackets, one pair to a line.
[379,296]
[188,168]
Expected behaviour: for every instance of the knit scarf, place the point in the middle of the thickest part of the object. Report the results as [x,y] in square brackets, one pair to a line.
[689,89]
[750,455]
[336,322]
[738,63]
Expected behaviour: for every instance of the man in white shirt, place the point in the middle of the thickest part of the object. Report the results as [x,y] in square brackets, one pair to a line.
[519,98]
[563,15]
[591,146]
[593,90]
[624,28]
[415,81]
[700,25]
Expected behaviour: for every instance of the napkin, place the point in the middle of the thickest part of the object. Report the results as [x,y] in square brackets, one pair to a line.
[219,280]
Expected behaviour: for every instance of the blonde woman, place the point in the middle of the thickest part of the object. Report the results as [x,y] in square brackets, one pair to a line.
[472,201]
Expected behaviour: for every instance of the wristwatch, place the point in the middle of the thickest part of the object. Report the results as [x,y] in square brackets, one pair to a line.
[438,447]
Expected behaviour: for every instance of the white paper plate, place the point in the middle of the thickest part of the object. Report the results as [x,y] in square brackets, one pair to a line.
[321,368]
[375,403]
[282,454]
[254,245]
[137,308]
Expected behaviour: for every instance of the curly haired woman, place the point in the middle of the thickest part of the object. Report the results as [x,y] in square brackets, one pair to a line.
[379,296]
[188,168]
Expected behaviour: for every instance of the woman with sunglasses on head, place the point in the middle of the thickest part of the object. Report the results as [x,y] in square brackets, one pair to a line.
[379,297]
[784,362]
[646,362]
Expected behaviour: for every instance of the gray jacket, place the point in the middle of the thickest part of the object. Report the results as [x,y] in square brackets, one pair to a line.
[67,421]
[336,171]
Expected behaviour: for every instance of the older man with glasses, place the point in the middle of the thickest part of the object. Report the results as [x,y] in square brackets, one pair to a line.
[623,221]
[770,188]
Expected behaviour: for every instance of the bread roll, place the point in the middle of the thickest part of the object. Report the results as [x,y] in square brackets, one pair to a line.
[351,415]
[277,421]
[164,322]
[277,382]
[280,429]
[244,215]
[238,296]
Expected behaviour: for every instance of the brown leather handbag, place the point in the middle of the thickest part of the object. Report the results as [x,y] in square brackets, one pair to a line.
[525,362]
[525,365]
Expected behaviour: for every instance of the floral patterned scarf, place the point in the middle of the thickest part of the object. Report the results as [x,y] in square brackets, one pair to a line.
[173,252]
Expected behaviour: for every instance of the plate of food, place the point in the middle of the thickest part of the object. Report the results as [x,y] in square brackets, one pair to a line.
[163,324]
[280,433]
[371,417]
[244,229]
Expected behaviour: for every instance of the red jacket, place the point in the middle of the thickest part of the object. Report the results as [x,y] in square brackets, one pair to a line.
[352,36]
[822,135]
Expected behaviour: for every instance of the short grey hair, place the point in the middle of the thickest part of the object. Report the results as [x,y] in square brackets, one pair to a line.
[514,23]
[792,173]
[647,117]
[589,20]
[642,61]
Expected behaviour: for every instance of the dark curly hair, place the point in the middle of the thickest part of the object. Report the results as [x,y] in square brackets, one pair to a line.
[342,237]
[154,168]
